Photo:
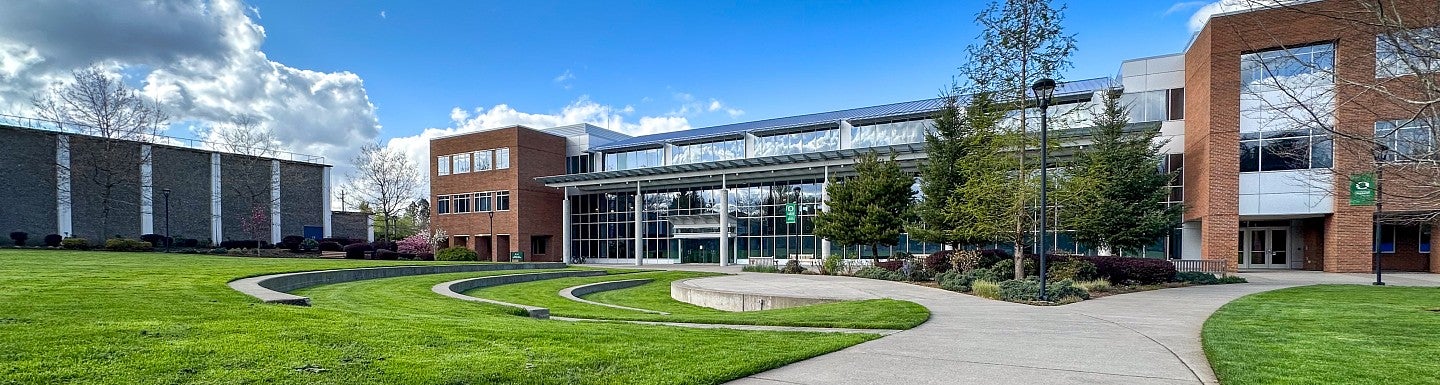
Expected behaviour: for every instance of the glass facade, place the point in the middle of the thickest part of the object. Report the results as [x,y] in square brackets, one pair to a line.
[1407,52]
[604,224]
[797,143]
[889,134]
[1287,104]
[707,152]
[1406,142]
[634,159]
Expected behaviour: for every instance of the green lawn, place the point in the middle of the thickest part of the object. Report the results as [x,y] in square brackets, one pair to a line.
[1328,334]
[871,314]
[144,318]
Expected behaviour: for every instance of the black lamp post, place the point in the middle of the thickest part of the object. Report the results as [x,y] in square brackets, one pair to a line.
[1379,174]
[1044,89]
[795,228]
[493,257]
[167,239]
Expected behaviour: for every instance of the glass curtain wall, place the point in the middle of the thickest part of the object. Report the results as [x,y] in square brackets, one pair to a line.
[707,152]
[1287,102]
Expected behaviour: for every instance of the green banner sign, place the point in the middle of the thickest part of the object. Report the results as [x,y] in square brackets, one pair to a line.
[517,256]
[1362,189]
[791,210]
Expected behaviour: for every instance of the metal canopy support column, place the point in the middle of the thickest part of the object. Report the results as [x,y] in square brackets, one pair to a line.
[825,206]
[566,222]
[639,226]
[724,223]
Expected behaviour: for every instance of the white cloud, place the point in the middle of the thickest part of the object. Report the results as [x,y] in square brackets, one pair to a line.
[564,79]
[582,110]
[382,15]
[1202,16]
[201,59]
[1184,6]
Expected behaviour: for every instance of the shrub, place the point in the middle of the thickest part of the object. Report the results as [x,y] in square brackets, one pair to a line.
[156,239]
[832,265]
[456,254]
[955,281]
[387,255]
[53,240]
[985,289]
[939,261]
[309,244]
[19,237]
[331,246]
[240,244]
[425,256]
[792,267]
[1197,278]
[760,269]
[382,245]
[1125,270]
[989,257]
[913,271]
[1028,290]
[219,250]
[420,242]
[1065,289]
[357,250]
[1094,285]
[1005,269]
[1074,269]
[1231,279]
[127,244]
[342,241]
[75,243]
[874,272]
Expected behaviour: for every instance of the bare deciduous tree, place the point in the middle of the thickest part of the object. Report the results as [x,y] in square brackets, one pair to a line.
[116,119]
[253,146]
[386,181]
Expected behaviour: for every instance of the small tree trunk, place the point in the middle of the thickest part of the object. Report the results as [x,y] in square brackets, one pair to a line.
[1019,261]
[875,251]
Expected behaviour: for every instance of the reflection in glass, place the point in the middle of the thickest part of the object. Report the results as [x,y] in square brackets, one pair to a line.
[707,152]
[797,143]
[889,134]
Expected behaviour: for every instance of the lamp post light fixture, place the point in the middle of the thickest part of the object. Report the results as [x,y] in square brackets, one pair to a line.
[1044,89]
[167,239]
[493,257]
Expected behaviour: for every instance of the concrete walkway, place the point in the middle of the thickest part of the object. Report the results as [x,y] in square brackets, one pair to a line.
[1140,338]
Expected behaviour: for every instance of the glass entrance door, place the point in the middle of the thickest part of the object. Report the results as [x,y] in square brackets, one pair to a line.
[1264,247]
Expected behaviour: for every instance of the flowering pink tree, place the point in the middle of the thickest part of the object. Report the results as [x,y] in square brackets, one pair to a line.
[257,224]
[422,242]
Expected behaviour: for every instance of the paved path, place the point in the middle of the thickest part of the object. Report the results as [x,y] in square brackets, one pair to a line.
[1140,338]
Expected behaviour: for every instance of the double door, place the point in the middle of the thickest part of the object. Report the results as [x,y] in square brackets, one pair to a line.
[1264,247]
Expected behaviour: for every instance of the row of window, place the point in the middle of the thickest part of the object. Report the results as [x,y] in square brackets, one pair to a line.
[473,202]
[1387,237]
[484,160]
[1407,52]
[1155,106]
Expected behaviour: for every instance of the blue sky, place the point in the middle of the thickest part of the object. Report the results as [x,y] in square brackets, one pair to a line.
[329,76]
[421,59]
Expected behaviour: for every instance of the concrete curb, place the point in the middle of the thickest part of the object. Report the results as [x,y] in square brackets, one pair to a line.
[574,293]
[273,288]
[768,328]
[453,289]
[684,291]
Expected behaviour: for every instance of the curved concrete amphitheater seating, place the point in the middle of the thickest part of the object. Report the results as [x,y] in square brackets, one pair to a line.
[273,288]
[685,291]
[453,289]
[574,293]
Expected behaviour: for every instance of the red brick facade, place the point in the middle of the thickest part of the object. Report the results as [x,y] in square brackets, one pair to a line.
[1339,242]
[535,210]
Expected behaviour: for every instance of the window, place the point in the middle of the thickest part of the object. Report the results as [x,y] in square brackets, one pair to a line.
[502,201]
[797,143]
[578,164]
[1425,238]
[1284,150]
[442,165]
[482,160]
[482,202]
[462,203]
[707,152]
[442,204]
[1407,52]
[462,163]
[1387,239]
[887,134]
[1177,104]
[539,244]
[502,158]
[1413,141]
[634,159]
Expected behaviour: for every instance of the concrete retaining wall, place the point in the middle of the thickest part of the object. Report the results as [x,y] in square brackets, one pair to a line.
[574,293]
[272,288]
[453,289]
[683,291]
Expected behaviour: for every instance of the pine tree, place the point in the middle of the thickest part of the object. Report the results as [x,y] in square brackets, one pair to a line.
[870,208]
[1117,186]
[962,176]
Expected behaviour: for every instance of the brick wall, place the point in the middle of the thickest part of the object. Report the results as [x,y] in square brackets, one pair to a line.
[534,208]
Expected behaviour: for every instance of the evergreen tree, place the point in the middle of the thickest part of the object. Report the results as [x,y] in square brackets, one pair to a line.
[962,176]
[870,208]
[1117,186]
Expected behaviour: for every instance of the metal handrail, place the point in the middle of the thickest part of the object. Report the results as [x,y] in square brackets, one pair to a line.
[72,128]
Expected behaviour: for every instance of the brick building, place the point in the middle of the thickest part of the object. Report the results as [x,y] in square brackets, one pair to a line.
[485,194]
